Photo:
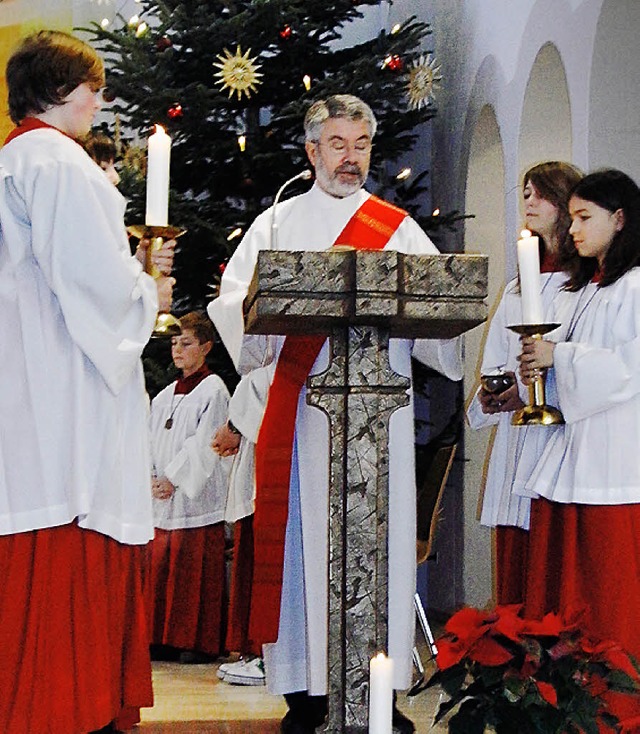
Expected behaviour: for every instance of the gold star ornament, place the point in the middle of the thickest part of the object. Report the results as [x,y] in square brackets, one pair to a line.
[238,73]
[424,76]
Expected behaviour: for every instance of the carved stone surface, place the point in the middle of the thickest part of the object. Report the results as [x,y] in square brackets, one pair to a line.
[429,296]
[358,392]
[361,299]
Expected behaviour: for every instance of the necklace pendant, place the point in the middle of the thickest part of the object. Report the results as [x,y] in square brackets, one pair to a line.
[169,424]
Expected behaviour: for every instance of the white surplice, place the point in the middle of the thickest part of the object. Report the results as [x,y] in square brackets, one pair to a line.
[312,222]
[513,445]
[594,458]
[246,410]
[77,311]
[183,454]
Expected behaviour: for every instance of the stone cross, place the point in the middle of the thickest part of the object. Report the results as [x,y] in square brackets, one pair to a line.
[361,298]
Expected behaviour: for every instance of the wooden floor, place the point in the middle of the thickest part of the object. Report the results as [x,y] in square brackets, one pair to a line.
[191,699]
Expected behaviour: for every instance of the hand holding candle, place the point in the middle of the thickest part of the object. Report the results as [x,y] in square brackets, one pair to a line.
[380,694]
[159,153]
[529,269]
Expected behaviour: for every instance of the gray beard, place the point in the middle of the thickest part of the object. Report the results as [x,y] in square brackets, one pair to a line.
[334,186]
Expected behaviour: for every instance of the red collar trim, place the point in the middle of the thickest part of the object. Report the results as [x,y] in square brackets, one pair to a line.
[185,385]
[29,124]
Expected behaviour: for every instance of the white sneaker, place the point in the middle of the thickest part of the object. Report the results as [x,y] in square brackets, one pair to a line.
[243,673]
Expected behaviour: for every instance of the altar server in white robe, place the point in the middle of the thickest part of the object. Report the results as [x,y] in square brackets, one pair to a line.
[339,133]
[75,494]
[588,477]
[238,438]
[546,188]
[188,581]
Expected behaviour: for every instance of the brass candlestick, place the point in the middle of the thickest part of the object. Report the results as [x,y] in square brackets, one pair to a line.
[537,413]
[166,323]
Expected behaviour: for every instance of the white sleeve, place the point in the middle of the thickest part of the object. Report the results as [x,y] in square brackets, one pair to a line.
[109,305]
[249,400]
[226,311]
[593,378]
[194,463]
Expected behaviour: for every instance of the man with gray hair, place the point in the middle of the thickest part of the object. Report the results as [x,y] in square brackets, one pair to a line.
[289,586]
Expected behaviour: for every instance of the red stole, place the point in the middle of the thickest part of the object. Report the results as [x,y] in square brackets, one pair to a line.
[370,228]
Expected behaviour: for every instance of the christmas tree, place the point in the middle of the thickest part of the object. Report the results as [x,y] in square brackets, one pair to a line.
[231,80]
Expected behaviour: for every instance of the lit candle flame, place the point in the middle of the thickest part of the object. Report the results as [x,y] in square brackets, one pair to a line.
[435,212]
[306,80]
[525,233]
[404,174]
[396,28]
[242,142]
[236,233]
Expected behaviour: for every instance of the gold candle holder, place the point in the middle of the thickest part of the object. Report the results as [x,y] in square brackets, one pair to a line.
[166,324]
[537,413]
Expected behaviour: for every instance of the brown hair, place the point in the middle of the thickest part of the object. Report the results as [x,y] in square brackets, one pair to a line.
[200,324]
[45,68]
[100,147]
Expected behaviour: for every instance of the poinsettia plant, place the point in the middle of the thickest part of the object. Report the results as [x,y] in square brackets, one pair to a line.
[512,675]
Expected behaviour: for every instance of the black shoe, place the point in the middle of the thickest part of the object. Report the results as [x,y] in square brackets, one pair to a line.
[401,723]
[305,714]
[291,725]
[192,657]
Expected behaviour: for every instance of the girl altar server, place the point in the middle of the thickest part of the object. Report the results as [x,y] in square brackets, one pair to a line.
[187,589]
[546,189]
[588,477]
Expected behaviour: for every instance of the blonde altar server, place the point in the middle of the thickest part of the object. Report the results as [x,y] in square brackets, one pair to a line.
[75,492]
[187,584]
[545,190]
[588,477]
[339,133]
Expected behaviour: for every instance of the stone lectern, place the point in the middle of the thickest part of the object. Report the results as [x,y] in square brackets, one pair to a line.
[361,298]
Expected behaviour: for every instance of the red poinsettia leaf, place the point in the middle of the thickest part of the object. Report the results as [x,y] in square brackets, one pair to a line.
[551,625]
[467,622]
[548,692]
[488,651]
[449,652]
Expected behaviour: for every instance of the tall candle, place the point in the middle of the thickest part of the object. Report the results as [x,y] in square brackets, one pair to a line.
[158,158]
[529,268]
[380,694]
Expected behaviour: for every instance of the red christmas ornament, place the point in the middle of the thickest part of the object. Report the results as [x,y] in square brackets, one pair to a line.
[285,33]
[108,95]
[395,63]
[163,43]
[175,111]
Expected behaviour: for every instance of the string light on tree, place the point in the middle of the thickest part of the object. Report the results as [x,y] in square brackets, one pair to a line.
[142,28]
[404,174]
[238,72]
[242,143]
[235,234]
[175,112]
[393,62]
[423,77]
[306,80]
[396,28]
[285,33]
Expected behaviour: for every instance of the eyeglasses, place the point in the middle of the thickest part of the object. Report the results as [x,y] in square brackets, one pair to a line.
[340,146]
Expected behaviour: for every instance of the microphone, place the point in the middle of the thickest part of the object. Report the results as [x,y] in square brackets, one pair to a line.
[303,175]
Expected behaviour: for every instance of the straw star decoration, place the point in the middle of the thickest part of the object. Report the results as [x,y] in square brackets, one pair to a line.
[423,77]
[238,72]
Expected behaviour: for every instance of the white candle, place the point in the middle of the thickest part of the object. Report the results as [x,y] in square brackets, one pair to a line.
[380,694]
[158,158]
[529,268]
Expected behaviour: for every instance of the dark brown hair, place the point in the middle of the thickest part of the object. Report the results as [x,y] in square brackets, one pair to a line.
[612,190]
[45,68]
[200,324]
[100,147]
[554,181]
